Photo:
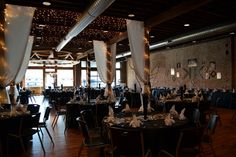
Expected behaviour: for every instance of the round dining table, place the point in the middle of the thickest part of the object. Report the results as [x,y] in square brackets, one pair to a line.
[157,134]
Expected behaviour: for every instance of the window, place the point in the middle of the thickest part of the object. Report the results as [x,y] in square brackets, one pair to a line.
[83,78]
[65,77]
[95,80]
[34,78]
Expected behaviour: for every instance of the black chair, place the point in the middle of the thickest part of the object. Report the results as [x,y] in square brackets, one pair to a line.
[5,107]
[43,124]
[33,108]
[24,127]
[89,117]
[89,141]
[60,111]
[210,131]
[127,142]
[188,145]
[196,117]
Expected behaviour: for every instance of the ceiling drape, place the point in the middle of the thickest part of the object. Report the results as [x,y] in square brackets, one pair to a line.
[135,31]
[18,25]
[100,51]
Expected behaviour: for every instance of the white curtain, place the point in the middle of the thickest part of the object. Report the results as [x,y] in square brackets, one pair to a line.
[18,25]
[135,31]
[23,67]
[100,50]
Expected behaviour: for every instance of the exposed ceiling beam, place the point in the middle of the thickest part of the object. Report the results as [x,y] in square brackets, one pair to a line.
[178,10]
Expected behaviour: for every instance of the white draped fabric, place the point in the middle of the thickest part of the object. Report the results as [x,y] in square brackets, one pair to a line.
[100,51]
[18,24]
[25,61]
[135,31]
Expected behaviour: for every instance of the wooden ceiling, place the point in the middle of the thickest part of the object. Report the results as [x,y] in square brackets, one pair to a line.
[165,18]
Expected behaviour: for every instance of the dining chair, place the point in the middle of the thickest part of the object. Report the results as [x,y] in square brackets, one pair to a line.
[43,124]
[127,142]
[89,141]
[60,111]
[24,127]
[188,145]
[33,108]
[196,117]
[210,131]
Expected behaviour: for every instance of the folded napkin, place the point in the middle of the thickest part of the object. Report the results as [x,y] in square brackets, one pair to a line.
[173,112]
[127,108]
[168,96]
[135,122]
[233,90]
[178,98]
[110,120]
[181,115]
[111,112]
[224,90]
[186,92]
[195,98]
[168,120]
[149,108]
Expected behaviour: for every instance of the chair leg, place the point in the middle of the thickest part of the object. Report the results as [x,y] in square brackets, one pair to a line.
[41,131]
[22,144]
[233,117]
[80,149]
[41,142]
[49,134]
[54,121]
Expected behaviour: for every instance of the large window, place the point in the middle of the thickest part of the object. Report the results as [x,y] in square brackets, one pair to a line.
[94,77]
[64,77]
[34,78]
[95,80]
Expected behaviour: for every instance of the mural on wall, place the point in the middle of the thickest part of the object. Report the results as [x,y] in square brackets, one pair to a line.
[207,62]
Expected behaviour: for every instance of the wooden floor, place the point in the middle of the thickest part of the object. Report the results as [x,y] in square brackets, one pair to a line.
[67,145]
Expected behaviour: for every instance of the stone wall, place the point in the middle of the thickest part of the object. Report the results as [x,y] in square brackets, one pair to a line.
[197,65]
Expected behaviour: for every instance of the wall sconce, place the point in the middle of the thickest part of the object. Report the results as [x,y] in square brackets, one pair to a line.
[172,71]
[177,74]
[218,75]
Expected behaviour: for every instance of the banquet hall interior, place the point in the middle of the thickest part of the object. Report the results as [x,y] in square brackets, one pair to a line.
[111,78]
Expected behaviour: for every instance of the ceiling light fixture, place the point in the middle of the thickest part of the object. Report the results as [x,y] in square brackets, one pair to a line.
[105,31]
[152,36]
[186,25]
[131,15]
[46,3]
[231,33]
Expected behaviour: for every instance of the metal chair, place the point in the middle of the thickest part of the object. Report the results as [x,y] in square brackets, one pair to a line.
[25,126]
[88,140]
[33,108]
[43,124]
[188,145]
[210,131]
[127,142]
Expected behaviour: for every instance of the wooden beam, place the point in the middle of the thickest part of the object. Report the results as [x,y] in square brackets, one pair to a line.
[178,10]
[118,38]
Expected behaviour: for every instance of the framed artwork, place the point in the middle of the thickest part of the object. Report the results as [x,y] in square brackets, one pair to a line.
[192,62]
[212,65]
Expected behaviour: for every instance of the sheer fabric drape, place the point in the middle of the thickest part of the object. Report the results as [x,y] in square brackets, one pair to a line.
[18,20]
[135,31]
[100,51]
[18,25]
